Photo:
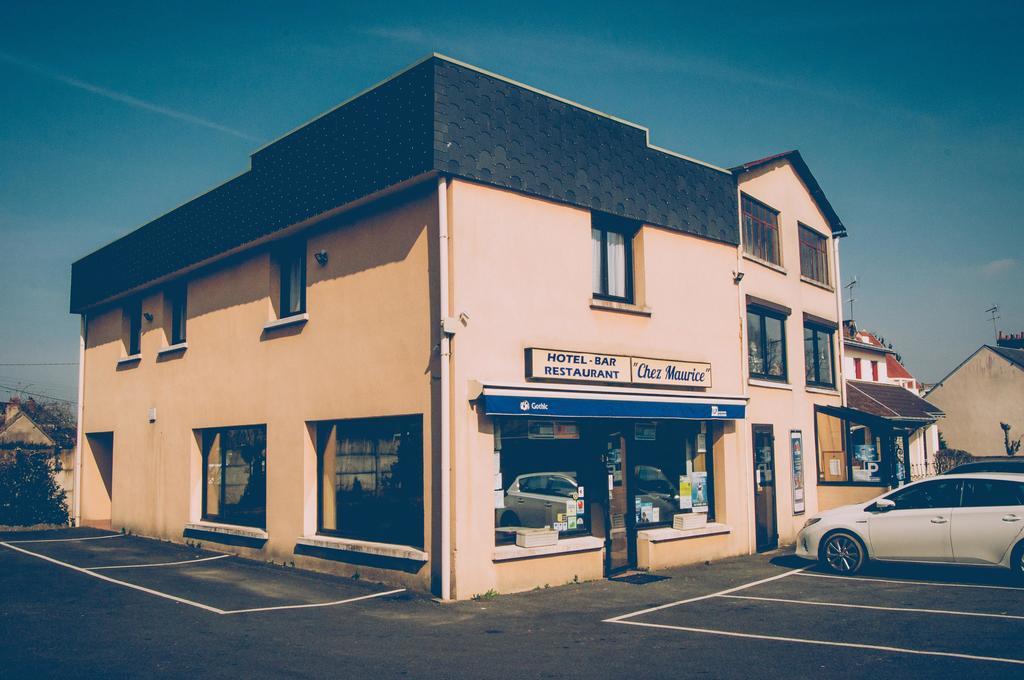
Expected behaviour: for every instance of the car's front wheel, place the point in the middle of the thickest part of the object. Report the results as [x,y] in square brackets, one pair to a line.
[843,553]
[1017,561]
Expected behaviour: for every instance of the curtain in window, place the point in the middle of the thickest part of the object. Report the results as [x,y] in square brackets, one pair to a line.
[213,468]
[295,283]
[775,351]
[595,243]
[755,344]
[616,264]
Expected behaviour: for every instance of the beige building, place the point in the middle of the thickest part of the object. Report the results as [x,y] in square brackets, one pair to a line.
[463,335]
[985,390]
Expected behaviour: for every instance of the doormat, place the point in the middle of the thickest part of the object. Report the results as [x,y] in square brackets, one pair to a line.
[639,578]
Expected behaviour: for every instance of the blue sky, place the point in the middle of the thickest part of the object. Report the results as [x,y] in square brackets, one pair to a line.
[908,114]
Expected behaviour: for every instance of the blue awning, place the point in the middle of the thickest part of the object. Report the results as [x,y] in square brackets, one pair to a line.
[567,404]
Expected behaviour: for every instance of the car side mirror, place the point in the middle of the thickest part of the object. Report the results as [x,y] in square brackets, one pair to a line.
[884,505]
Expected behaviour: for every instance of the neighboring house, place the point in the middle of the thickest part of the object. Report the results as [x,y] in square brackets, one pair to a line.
[986,389]
[885,435]
[28,425]
[454,316]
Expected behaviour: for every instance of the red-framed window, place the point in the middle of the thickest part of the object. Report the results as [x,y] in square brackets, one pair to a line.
[760,230]
[857,368]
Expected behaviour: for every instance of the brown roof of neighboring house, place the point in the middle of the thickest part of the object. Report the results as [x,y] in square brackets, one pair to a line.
[895,369]
[891,402]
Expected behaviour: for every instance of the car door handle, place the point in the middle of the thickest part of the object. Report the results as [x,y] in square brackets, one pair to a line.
[939,520]
[1011,518]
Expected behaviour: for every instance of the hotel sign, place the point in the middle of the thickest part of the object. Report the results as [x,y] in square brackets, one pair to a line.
[557,364]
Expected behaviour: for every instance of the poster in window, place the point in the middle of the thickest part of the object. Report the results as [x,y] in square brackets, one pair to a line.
[685,493]
[645,432]
[796,442]
[699,491]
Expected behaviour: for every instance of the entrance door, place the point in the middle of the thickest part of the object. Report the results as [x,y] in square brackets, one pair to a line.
[618,554]
[764,488]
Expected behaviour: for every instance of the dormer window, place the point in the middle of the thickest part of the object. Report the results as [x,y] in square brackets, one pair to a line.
[612,257]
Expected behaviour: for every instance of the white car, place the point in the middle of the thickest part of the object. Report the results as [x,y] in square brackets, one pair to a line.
[975,519]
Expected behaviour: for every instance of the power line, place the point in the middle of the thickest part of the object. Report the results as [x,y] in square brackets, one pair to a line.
[35,394]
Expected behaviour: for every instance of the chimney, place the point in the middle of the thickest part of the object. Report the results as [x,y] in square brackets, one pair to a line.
[1010,340]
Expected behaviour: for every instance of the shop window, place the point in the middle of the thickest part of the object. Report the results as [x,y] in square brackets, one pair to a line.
[543,469]
[832,463]
[612,257]
[133,328]
[371,479]
[760,230]
[813,255]
[766,338]
[235,465]
[852,452]
[292,265]
[671,465]
[818,356]
[177,299]
[866,450]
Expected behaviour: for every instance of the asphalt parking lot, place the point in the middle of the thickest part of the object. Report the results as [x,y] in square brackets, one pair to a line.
[88,603]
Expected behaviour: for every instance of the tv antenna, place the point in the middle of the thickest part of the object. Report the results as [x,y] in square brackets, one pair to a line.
[851,299]
[993,311]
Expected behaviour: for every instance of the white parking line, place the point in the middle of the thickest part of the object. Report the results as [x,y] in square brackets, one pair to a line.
[63,540]
[868,606]
[828,643]
[82,570]
[316,604]
[620,619]
[182,600]
[158,564]
[936,584]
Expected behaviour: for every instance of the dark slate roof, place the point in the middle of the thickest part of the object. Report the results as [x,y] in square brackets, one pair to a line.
[1014,356]
[436,116]
[804,172]
[891,402]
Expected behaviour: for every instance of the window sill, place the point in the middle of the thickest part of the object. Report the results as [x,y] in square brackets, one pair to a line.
[669,534]
[831,391]
[816,283]
[293,320]
[228,530]
[172,349]
[566,546]
[765,263]
[771,384]
[623,307]
[403,552]
[128,360]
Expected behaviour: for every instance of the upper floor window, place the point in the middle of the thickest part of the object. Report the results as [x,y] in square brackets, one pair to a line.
[177,298]
[133,321]
[760,230]
[292,263]
[612,257]
[857,369]
[874,371]
[766,339]
[818,356]
[814,255]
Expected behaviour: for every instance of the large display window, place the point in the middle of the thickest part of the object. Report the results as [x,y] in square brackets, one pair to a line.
[855,452]
[563,474]
[371,479]
[235,485]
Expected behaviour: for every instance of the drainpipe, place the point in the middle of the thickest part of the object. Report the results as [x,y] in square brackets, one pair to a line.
[840,369]
[76,504]
[445,346]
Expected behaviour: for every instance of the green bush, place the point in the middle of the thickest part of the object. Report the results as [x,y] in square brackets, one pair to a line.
[29,493]
[947,459]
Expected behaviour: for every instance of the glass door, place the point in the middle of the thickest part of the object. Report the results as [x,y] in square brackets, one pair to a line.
[618,555]
[764,488]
